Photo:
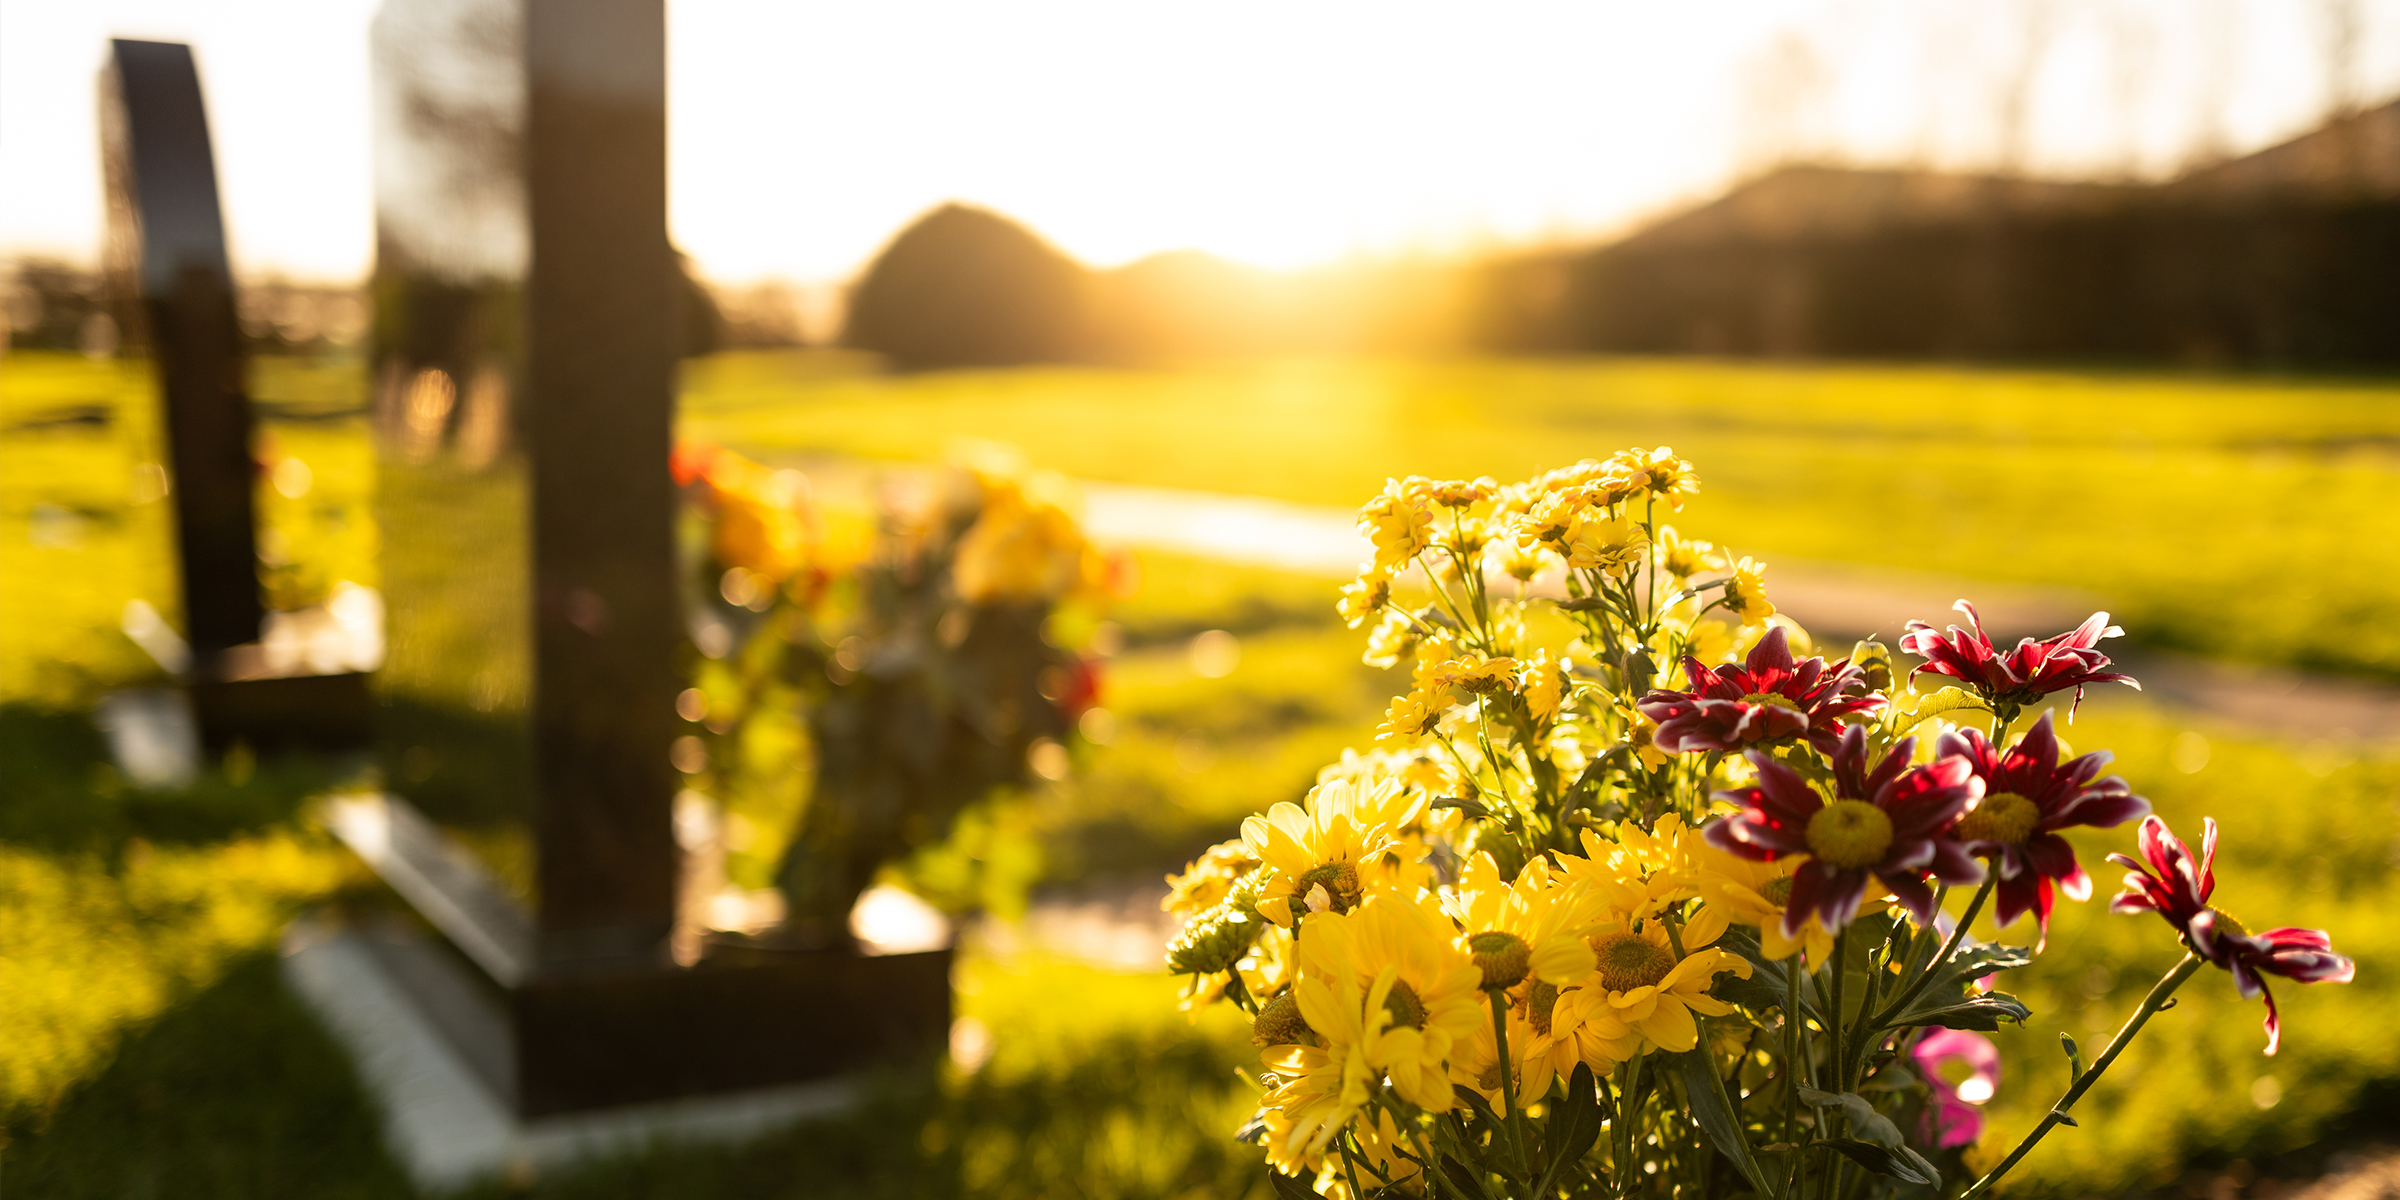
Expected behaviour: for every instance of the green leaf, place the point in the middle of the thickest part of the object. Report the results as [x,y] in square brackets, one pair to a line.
[1949,699]
[1573,1128]
[1288,1188]
[1864,1120]
[1974,1012]
[1766,972]
[1474,1100]
[1466,804]
[1714,1110]
[1903,1164]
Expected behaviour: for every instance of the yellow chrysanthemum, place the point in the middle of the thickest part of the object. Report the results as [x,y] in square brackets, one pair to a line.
[1658,472]
[1746,592]
[1207,878]
[1651,989]
[1318,1091]
[1639,873]
[1386,976]
[1684,557]
[1540,681]
[1754,893]
[1399,522]
[1392,640]
[1565,1026]
[1365,596]
[1414,714]
[1315,853]
[1531,927]
[1604,543]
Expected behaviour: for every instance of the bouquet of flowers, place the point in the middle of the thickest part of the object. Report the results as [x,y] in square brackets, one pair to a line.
[1637,894]
[928,667]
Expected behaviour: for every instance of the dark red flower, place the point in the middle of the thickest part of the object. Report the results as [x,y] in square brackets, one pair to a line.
[2020,676]
[1888,824]
[1769,698]
[2173,884]
[2028,796]
[2179,891]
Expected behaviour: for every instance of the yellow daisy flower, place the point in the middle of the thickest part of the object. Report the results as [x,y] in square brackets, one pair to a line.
[1392,640]
[1414,714]
[1399,522]
[1365,596]
[1532,927]
[1386,976]
[1314,853]
[1318,1090]
[1753,893]
[1565,1026]
[1603,543]
[1207,879]
[1746,592]
[1684,557]
[1540,681]
[1657,471]
[1654,991]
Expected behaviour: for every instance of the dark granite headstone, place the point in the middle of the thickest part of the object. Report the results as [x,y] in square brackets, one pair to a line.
[524,362]
[168,236]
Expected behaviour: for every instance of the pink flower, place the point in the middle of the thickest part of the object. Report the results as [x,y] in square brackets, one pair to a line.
[2028,796]
[1889,824]
[1769,698]
[1951,1117]
[2023,675]
[2179,891]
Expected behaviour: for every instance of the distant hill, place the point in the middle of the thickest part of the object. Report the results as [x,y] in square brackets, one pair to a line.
[965,286]
[2290,256]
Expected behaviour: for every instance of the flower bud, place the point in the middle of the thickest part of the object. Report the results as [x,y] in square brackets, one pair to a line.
[1280,1024]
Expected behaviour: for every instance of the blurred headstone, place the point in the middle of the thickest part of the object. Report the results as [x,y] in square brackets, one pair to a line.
[524,354]
[167,236]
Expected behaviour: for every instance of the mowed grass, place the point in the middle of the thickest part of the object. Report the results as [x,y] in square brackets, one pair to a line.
[145,1044]
[2234,517]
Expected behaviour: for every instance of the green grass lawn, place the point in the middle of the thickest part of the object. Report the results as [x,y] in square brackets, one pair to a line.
[147,1048]
[2237,518]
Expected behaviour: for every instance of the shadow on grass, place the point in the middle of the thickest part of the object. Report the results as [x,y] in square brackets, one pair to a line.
[235,1094]
[238,1093]
[60,791]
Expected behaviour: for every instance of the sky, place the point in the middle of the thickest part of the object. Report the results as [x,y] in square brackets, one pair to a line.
[804,133]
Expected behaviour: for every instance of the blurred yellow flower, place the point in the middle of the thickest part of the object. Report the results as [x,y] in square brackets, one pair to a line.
[1207,879]
[1365,596]
[1684,557]
[1399,522]
[1025,545]
[1657,471]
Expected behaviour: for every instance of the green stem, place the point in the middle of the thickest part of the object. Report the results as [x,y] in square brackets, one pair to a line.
[2152,1003]
[1511,1118]
[1958,933]
[1431,1165]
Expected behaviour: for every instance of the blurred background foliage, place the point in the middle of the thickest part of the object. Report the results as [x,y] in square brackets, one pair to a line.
[147,1047]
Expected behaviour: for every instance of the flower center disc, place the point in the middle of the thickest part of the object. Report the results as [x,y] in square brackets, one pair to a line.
[1503,958]
[1341,884]
[2228,923]
[2003,817]
[1540,999]
[1629,961]
[1850,834]
[1777,892]
[1778,699]
[1402,1003]
[1280,1024]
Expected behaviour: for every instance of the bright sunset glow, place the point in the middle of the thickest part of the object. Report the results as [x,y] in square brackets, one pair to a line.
[805,134]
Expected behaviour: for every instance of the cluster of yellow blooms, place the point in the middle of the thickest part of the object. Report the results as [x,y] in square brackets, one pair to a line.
[1623,883]
[1470,866]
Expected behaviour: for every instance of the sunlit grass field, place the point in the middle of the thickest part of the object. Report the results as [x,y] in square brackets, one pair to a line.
[2238,518]
[145,1044]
